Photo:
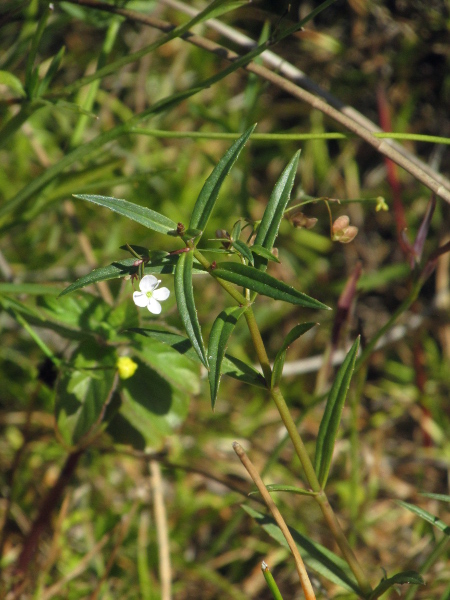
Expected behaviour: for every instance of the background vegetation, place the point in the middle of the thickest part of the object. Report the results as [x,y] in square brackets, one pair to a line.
[179,483]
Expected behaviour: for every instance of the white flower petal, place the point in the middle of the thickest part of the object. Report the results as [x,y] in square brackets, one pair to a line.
[140,299]
[161,294]
[154,306]
[148,283]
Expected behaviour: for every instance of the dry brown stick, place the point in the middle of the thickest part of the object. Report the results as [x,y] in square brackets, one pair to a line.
[165,570]
[380,145]
[301,570]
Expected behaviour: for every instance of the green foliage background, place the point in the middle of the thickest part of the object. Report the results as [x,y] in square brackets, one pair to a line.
[103,540]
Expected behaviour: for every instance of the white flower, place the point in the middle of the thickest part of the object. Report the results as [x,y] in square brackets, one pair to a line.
[149,296]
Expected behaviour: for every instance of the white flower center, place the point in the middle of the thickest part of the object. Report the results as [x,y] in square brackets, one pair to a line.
[149,294]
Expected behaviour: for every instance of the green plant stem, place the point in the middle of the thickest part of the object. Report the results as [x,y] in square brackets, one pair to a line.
[259,346]
[412,296]
[303,455]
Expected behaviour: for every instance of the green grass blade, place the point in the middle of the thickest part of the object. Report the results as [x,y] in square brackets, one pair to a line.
[271,584]
[316,557]
[258,281]
[426,516]
[332,416]
[141,214]
[293,335]
[270,223]
[208,195]
[218,340]
[186,306]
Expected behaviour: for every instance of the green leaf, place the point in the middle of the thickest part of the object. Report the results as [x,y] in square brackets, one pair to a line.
[208,195]
[442,497]
[51,72]
[145,216]
[186,305]
[317,557]
[35,289]
[410,577]
[231,365]
[286,488]
[151,409]
[243,249]
[270,223]
[261,251]
[258,281]
[174,366]
[121,268]
[220,333]
[332,415]
[83,392]
[10,80]
[278,364]
[426,516]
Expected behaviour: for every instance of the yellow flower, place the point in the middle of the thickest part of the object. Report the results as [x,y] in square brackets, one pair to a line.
[126,367]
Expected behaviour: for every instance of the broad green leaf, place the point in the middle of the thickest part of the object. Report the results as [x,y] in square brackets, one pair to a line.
[151,409]
[145,216]
[83,392]
[426,516]
[278,364]
[243,249]
[263,252]
[332,416]
[317,557]
[10,80]
[231,365]
[121,268]
[208,195]
[167,362]
[410,577]
[186,305]
[220,333]
[286,488]
[270,223]
[259,281]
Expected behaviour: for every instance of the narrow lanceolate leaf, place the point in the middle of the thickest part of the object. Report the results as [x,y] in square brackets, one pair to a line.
[208,196]
[272,487]
[426,516]
[258,281]
[121,268]
[186,306]
[293,335]
[243,249]
[220,333]
[410,577]
[263,252]
[231,366]
[145,216]
[332,416]
[270,223]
